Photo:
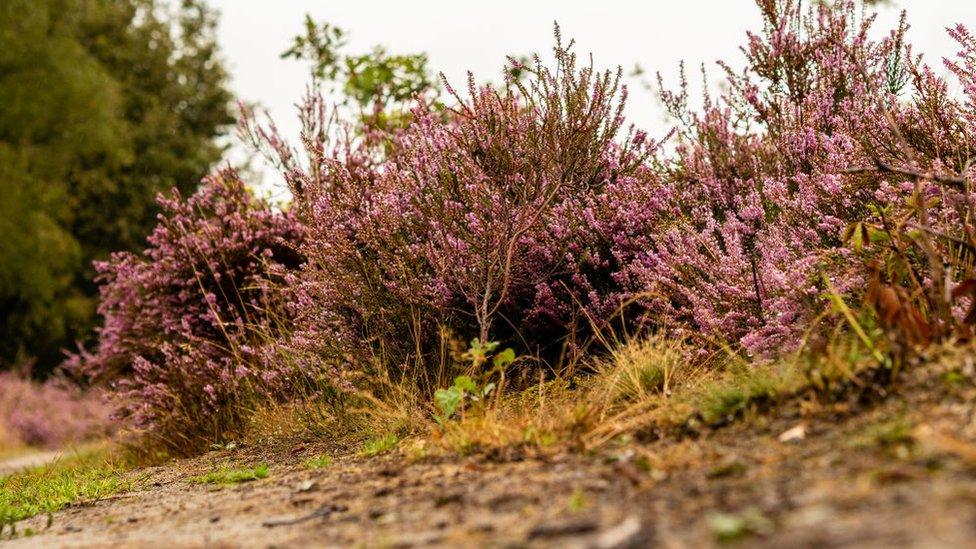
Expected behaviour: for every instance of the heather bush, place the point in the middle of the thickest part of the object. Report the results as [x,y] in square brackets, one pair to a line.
[742,234]
[528,214]
[50,414]
[468,226]
[754,205]
[187,323]
[923,284]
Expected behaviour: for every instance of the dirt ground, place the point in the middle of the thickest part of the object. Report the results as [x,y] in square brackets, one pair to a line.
[26,460]
[898,471]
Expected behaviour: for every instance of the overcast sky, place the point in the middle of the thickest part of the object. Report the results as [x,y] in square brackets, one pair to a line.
[462,35]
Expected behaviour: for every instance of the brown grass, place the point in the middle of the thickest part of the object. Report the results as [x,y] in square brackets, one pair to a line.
[648,387]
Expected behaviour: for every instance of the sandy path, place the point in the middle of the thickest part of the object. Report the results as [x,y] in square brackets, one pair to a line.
[28,460]
[828,488]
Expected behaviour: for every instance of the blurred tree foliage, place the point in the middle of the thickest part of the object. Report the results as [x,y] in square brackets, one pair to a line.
[104,104]
[379,85]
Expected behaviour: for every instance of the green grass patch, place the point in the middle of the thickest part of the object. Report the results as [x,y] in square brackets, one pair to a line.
[734,527]
[381,445]
[227,476]
[886,434]
[317,462]
[722,400]
[81,477]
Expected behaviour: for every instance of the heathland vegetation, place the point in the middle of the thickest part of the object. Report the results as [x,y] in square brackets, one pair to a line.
[475,267]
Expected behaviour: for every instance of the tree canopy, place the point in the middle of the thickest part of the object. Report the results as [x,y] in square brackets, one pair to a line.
[106,104]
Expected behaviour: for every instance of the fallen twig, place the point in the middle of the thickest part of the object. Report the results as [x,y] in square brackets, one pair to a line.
[321,512]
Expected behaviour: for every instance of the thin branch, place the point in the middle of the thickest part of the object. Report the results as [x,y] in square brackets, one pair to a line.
[881,166]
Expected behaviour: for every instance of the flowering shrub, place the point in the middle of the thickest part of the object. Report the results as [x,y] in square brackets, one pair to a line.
[747,218]
[49,414]
[923,283]
[187,320]
[528,215]
[469,222]
[756,205]
[525,215]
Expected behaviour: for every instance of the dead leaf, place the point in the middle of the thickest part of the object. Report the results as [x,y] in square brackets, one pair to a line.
[798,432]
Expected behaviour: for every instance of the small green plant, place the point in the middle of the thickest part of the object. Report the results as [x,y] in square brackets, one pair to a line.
[381,445]
[317,462]
[224,446]
[645,366]
[47,489]
[533,435]
[954,378]
[728,528]
[449,401]
[720,401]
[479,352]
[229,476]
[733,468]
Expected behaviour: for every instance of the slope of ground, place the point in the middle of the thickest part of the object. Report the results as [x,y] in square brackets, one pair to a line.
[27,459]
[896,471]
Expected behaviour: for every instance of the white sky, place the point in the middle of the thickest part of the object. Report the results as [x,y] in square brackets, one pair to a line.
[462,35]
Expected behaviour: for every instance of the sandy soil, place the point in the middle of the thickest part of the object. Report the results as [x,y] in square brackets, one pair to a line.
[28,459]
[803,475]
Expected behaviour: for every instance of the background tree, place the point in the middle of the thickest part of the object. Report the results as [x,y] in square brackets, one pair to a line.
[106,103]
[381,87]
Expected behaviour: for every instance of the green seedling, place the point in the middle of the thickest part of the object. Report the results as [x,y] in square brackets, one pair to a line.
[451,400]
[728,528]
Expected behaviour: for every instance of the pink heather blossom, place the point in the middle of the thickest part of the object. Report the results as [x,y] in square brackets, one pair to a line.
[530,214]
[496,219]
[50,414]
[185,319]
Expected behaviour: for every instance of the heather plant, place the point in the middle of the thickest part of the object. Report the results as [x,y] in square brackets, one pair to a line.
[467,228]
[188,323]
[50,414]
[755,182]
[835,164]
[744,223]
[922,238]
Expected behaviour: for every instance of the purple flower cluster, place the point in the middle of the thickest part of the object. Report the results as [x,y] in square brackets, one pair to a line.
[49,414]
[742,226]
[529,214]
[523,214]
[467,224]
[187,322]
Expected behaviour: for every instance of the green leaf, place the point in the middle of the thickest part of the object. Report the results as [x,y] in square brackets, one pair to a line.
[876,236]
[447,401]
[504,358]
[465,383]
